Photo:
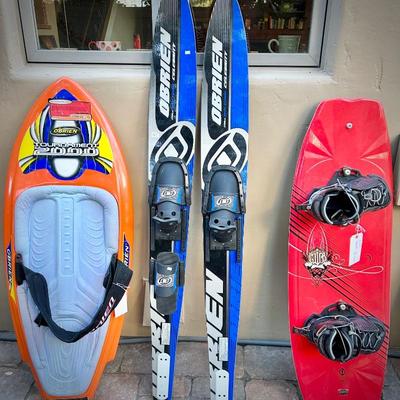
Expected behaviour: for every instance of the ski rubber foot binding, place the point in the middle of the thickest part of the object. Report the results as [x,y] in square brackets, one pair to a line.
[166,274]
[223,203]
[168,196]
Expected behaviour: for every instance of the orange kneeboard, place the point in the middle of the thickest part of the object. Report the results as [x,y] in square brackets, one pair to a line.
[68,206]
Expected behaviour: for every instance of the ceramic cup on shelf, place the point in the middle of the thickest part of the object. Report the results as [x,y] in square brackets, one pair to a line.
[105,45]
[285,43]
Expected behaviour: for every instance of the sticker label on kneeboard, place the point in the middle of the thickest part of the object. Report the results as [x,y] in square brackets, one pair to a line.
[65,140]
[122,307]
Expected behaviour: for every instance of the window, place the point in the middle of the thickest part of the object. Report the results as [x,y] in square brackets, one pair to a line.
[279,32]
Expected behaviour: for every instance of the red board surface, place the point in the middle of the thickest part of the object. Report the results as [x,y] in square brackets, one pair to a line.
[349,133]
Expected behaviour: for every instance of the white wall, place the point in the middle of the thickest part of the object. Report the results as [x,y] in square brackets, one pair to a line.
[363,61]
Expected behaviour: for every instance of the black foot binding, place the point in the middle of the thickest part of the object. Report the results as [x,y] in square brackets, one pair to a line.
[166,274]
[223,202]
[347,195]
[341,334]
[169,194]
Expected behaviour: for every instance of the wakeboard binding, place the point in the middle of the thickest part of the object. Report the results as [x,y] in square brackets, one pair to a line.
[346,197]
[341,334]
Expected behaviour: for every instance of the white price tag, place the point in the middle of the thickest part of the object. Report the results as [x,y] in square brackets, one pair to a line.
[355,248]
[122,307]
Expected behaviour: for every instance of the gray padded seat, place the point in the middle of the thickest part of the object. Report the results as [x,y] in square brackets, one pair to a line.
[68,234]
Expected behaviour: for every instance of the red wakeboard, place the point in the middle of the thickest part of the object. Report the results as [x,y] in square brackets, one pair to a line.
[342,133]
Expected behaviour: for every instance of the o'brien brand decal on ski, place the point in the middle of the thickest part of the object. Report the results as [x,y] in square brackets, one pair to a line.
[167,72]
[159,347]
[219,81]
[224,202]
[65,140]
[230,148]
[224,145]
[165,59]
[165,280]
[176,141]
[167,193]
[215,321]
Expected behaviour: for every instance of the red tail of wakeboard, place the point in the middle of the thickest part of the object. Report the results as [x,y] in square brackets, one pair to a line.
[324,266]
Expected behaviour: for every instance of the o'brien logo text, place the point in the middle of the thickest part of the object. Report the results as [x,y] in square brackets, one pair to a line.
[215,319]
[65,131]
[165,72]
[9,266]
[165,281]
[109,308]
[224,201]
[168,193]
[216,82]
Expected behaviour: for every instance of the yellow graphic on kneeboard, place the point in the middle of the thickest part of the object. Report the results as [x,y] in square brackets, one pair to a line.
[65,140]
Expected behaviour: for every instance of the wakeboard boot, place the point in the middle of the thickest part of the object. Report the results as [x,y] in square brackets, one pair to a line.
[341,334]
[346,196]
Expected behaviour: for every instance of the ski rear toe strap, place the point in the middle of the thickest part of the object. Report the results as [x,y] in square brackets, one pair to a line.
[116,283]
[166,274]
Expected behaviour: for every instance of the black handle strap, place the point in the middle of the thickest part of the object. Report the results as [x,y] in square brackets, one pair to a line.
[116,283]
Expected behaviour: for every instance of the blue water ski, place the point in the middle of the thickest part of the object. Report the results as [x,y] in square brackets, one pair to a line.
[224,153]
[171,140]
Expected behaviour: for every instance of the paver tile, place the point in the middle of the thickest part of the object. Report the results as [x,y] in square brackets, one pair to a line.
[192,359]
[267,362]
[271,390]
[201,389]
[9,354]
[118,387]
[182,386]
[15,383]
[136,359]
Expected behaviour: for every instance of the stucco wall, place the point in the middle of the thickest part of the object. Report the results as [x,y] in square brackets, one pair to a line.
[362,60]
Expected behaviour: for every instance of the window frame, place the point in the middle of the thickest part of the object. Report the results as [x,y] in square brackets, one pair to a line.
[143,57]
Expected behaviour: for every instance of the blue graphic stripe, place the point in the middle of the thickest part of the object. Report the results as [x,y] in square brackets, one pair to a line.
[186,112]
[239,72]
[235,288]
[239,118]
[187,71]
[187,66]
[64,94]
